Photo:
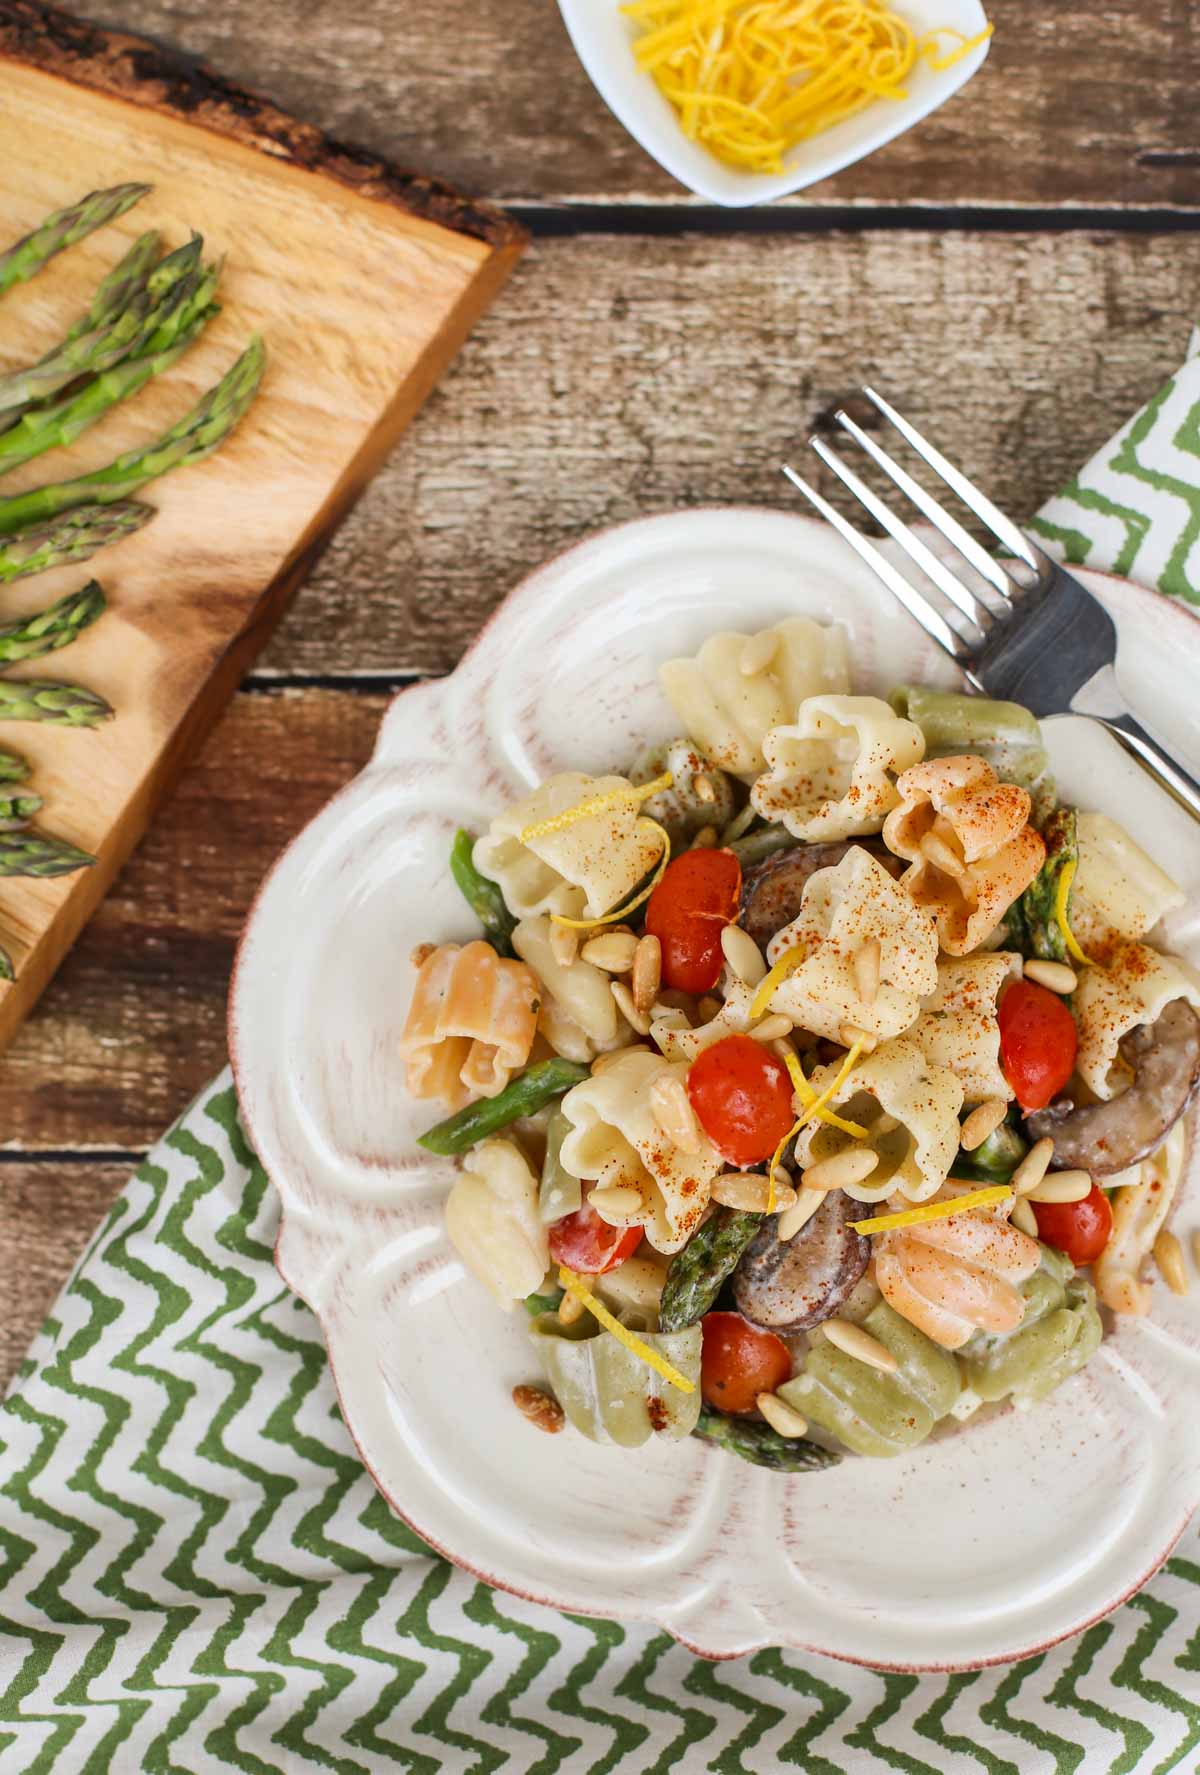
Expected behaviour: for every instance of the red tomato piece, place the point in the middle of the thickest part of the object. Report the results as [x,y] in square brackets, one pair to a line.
[1081,1229]
[696,898]
[739,1362]
[587,1244]
[742,1096]
[1038,1040]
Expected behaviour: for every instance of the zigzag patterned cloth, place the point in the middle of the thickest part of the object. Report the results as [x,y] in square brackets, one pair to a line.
[197,1575]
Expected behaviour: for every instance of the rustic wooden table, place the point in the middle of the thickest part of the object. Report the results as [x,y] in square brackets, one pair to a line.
[1023,269]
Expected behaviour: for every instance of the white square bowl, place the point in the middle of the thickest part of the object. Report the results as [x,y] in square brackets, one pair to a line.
[604,39]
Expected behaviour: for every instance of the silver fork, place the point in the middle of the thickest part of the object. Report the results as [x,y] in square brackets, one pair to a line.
[1032,634]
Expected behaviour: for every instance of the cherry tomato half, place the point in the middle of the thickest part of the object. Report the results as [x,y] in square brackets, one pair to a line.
[1081,1229]
[739,1362]
[587,1244]
[696,898]
[743,1097]
[1038,1040]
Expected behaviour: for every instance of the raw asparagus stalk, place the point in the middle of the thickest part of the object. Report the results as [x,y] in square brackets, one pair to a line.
[39,854]
[196,436]
[60,705]
[13,768]
[482,894]
[71,538]
[523,1097]
[7,971]
[760,844]
[121,285]
[696,1274]
[63,229]
[17,811]
[761,1445]
[57,626]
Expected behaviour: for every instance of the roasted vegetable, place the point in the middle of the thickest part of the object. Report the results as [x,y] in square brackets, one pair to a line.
[761,1446]
[525,1095]
[698,1272]
[607,1391]
[995,1160]
[1032,922]
[792,1286]
[873,1412]
[482,895]
[772,893]
[1061,1330]
[683,810]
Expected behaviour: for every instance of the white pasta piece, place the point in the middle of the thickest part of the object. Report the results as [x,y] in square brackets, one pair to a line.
[1118,890]
[728,711]
[615,1139]
[830,775]
[677,1040]
[493,1223]
[957,1026]
[471,1023]
[578,1015]
[854,903]
[1144,1198]
[1135,987]
[910,1111]
[585,868]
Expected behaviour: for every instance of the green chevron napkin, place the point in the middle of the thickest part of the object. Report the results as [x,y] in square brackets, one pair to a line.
[197,1575]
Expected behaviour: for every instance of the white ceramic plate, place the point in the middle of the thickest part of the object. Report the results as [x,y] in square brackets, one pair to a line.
[981,1546]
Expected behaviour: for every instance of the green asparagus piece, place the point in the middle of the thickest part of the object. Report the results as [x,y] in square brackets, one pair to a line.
[63,229]
[523,1097]
[696,1275]
[74,537]
[120,286]
[62,705]
[998,1157]
[13,768]
[57,626]
[537,1304]
[760,844]
[17,811]
[37,853]
[482,894]
[196,436]
[761,1445]
[1034,926]
[7,971]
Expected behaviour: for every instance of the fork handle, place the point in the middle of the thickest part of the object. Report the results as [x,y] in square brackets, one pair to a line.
[1172,777]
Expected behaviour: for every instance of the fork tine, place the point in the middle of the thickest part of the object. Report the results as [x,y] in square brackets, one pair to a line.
[937,514]
[917,605]
[913,547]
[1001,527]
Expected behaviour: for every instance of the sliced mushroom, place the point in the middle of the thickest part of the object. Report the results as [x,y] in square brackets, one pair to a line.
[771,894]
[793,1286]
[1105,1138]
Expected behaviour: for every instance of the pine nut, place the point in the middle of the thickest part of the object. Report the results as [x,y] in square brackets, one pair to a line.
[783,1419]
[617,1202]
[1168,1255]
[603,1061]
[982,1122]
[851,1165]
[771,1029]
[790,1222]
[936,851]
[850,1033]
[674,1114]
[570,1309]
[866,971]
[749,1192]
[627,1007]
[1055,975]
[743,955]
[705,839]
[421,954]
[613,952]
[564,944]
[758,652]
[856,1342]
[704,787]
[1062,1186]
[647,973]
[1033,1167]
[543,1411]
[1023,1218]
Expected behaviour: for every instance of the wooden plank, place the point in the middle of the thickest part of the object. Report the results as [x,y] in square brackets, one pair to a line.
[364,284]
[1076,104]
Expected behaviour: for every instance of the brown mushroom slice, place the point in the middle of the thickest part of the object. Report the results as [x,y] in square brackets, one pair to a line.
[793,1286]
[772,893]
[1105,1138]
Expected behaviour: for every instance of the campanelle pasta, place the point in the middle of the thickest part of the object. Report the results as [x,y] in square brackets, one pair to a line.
[493,1223]
[957,1276]
[1136,987]
[578,1014]
[471,1023]
[1118,891]
[831,773]
[583,869]
[910,1112]
[958,1024]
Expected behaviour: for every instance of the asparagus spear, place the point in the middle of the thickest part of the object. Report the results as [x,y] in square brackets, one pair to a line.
[63,229]
[757,846]
[523,1097]
[16,811]
[61,705]
[761,1445]
[120,286]
[39,854]
[57,626]
[482,894]
[196,436]
[71,538]
[696,1274]
[13,768]
[7,971]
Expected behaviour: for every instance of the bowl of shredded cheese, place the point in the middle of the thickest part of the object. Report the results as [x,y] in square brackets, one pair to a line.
[744,101]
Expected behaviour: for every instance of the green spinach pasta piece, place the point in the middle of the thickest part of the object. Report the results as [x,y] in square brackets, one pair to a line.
[682,810]
[523,1096]
[560,1192]
[875,1413]
[1060,1332]
[1006,734]
[608,1392]
[482,895]
[697,1273]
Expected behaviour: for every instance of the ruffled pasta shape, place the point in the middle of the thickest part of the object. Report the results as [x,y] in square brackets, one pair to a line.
[586,867]
[831,774]
[1136,987]
[951,1278]
[493,1223]
[616,1138]
[846,908]
[1145,1195]
[910,1112]
[958,1026]
[1060,1331]
[971,847]
[874,1412]
[728,710]
[470,1025]
[673,1034]
[1118,892]
[578,1014]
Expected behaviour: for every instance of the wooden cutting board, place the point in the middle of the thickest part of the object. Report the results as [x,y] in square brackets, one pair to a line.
[363,281]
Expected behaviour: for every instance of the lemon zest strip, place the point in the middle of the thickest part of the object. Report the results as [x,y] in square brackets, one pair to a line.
[787,964]
[595,804]
[626,906]
[813,1109]
[1062,898]
[805,1090]
[980,1198]
[570,1281]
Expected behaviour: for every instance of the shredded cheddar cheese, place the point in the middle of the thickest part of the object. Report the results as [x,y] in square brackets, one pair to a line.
[980,1198]
[626,906]
[752,79]
[815,1108]
[1062,899]
[570,1281]
[596,804]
